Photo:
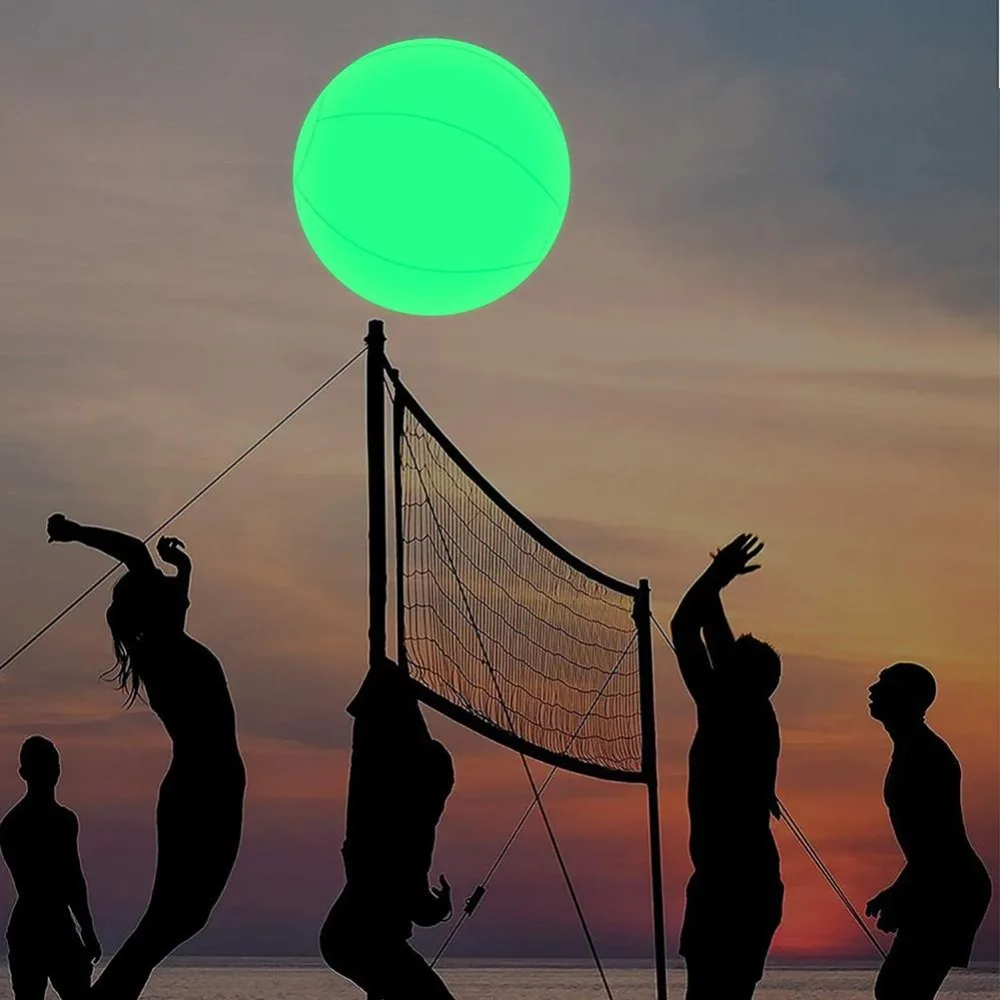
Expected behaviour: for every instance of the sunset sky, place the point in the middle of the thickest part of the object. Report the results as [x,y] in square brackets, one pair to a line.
[772,309]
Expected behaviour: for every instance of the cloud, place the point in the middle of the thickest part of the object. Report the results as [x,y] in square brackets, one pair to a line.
[766,311]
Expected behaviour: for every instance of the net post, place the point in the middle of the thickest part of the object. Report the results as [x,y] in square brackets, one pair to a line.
[398,409]
[643,616]
[375,421]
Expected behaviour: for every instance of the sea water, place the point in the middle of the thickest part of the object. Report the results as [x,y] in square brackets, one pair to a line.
[484,979]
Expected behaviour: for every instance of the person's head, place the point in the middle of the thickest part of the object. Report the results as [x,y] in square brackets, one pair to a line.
[136,608]
[754,667]
[902,693]
[39,764]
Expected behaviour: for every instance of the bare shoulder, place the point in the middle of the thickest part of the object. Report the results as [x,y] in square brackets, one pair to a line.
[67,819]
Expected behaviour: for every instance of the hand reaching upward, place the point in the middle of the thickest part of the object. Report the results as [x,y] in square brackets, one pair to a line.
[733,560]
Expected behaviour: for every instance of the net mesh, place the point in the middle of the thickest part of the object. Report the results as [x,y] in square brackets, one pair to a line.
[503,628]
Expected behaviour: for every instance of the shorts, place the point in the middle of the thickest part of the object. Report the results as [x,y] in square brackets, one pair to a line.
[944,923]
[732,919]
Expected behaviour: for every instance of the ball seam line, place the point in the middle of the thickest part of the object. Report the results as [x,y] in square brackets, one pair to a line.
[438,121]
[412,267]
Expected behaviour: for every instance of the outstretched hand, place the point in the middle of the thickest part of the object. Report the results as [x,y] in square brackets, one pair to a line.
[60,528]
[171,550]
[733,560]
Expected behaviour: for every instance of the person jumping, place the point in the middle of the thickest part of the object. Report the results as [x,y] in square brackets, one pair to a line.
[199,813]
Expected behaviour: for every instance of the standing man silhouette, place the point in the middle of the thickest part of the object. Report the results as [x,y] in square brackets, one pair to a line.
[38,840]
[939,900]
[734,897]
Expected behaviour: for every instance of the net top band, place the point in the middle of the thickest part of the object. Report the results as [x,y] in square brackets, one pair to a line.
[405,398]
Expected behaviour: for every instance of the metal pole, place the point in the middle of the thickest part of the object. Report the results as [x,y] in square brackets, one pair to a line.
[649,765]
[397,483]
[375,407]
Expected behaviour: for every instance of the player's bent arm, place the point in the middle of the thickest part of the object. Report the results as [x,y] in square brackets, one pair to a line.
[430,911]
[171,551]
[431,906]
[124,548]
[183,576]
[901,883]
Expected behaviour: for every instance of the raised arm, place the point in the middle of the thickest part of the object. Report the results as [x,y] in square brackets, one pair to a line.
[719,637]
[701,611]
[685,628]
[171,551]
[121,547]
[76,892]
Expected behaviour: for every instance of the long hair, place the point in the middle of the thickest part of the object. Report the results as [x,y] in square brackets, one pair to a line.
[128,616]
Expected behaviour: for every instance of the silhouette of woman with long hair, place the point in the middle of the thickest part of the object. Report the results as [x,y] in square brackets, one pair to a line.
[400,780]
[940,898]
[199,813]
[734,898]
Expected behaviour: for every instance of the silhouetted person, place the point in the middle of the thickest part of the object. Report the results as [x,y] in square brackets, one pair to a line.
[939,900]
[400,780]
[38,839]
[734,897]
[199,814]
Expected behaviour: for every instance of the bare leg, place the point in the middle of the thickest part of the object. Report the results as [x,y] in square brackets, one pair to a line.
[70,977]
[28,977]
[180,906]
[405,975]
[199,827]
[713,980]
[385,969]
[155,938]
[910,972]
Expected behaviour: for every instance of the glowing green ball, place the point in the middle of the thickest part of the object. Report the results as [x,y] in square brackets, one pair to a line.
[431,177]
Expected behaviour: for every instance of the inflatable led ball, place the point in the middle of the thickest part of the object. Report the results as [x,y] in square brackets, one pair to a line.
[431,177]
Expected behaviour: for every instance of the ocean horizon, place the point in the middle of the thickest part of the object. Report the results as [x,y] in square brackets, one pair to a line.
[507,962]
[189,977]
